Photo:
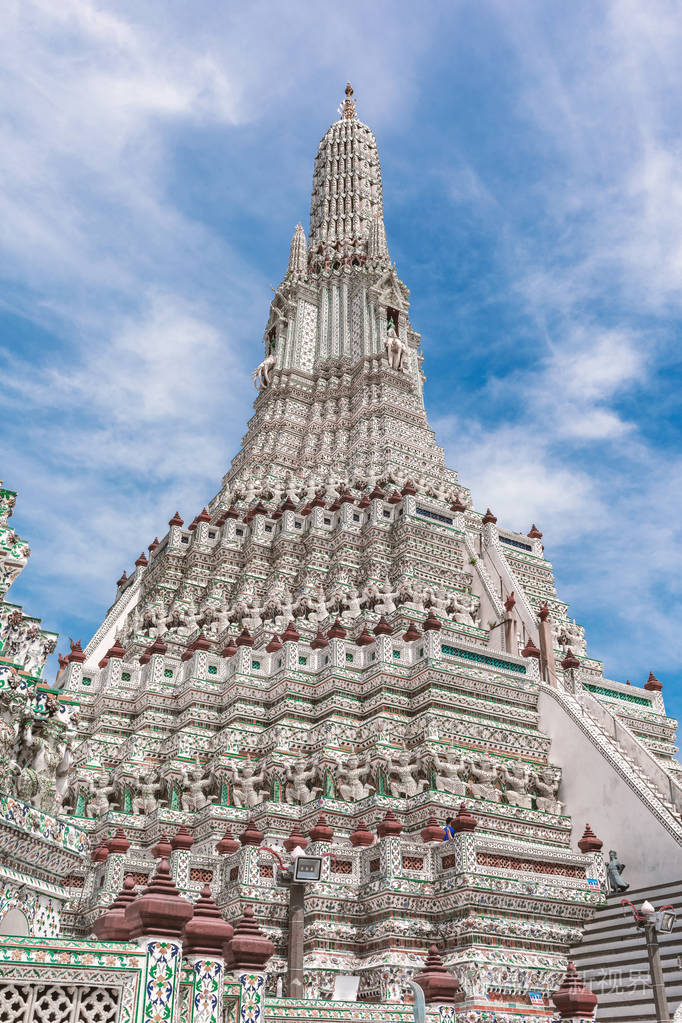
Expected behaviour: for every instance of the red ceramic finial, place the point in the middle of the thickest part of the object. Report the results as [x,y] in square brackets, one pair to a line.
[153,545]
[206,933]
[290,634]
[530,650]
[437,983]
[389,826]
[457,505]
[245,638]
[336,631]
[123,579]
[295,840]
[163,848]
[228,843]
[362,836]
[652,683]
[464,821]
[249,948]
[382,628]
[76,656]
[182,839]
[488,517]
[160,910]
[412,633]
[570,660]
[230,649]
[176,520]
[118,843]
[112,925]
[320,641]
[573,999]
[203,516]
[534,533]
[431,623]
[322,831]
[274,645]
[99,853]
[251,835]
[589,842]
[365,638]
[117,650]
[142,560]
[433,832]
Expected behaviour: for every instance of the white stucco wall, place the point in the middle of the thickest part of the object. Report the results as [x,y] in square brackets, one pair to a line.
[595,793]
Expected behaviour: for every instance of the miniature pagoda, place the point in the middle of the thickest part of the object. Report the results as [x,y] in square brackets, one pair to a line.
[337,653]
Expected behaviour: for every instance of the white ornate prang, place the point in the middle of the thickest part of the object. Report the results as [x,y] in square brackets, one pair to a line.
[339,631]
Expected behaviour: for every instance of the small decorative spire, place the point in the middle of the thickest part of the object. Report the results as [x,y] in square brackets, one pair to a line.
[570,661]
[298,252]
[390,826]
[118,843]
[182,839]
[296,839]
[530,650]
[433,832]
[412,633]
[362,836]
[652,683]
[228,844]
[161,909]
[206,933]
[249,948]
[112,926]
[251,835]
[573,999]
[322,831]
[437,983]
[589,842]
[347,108]
[489,517]
[464,821]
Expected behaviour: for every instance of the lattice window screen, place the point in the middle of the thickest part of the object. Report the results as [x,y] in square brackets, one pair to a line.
[58,1003]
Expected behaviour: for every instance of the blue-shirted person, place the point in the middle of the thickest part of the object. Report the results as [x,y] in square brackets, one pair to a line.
[449,831]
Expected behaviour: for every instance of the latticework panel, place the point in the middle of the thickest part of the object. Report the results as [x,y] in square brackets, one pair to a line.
[58,1003]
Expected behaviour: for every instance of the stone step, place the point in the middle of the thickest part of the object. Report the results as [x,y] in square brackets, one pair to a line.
[612,958]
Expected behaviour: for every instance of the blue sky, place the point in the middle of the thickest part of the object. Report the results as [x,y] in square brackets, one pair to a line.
[156,159]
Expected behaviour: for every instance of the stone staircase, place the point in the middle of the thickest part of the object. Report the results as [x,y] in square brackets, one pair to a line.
[612,957]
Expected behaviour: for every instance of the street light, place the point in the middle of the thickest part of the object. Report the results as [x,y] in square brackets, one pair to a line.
[653,922]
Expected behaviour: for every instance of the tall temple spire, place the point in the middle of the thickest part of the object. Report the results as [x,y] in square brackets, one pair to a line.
[347,193]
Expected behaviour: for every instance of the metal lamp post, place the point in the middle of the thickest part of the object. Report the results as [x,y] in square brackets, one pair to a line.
[651,922]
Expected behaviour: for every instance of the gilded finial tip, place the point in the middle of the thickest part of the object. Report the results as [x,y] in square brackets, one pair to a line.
[347,108]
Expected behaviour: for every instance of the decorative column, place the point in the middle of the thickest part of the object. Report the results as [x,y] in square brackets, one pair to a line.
[156,920]
[246,956]
[181,843]
[203,941]
[464,826]
[337,644]
[547,665]
[243,659]
[390,853]
[384,634]
[290,638]
[432,627]
[592,846]
[250,839]
[118,846]
[510,641]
